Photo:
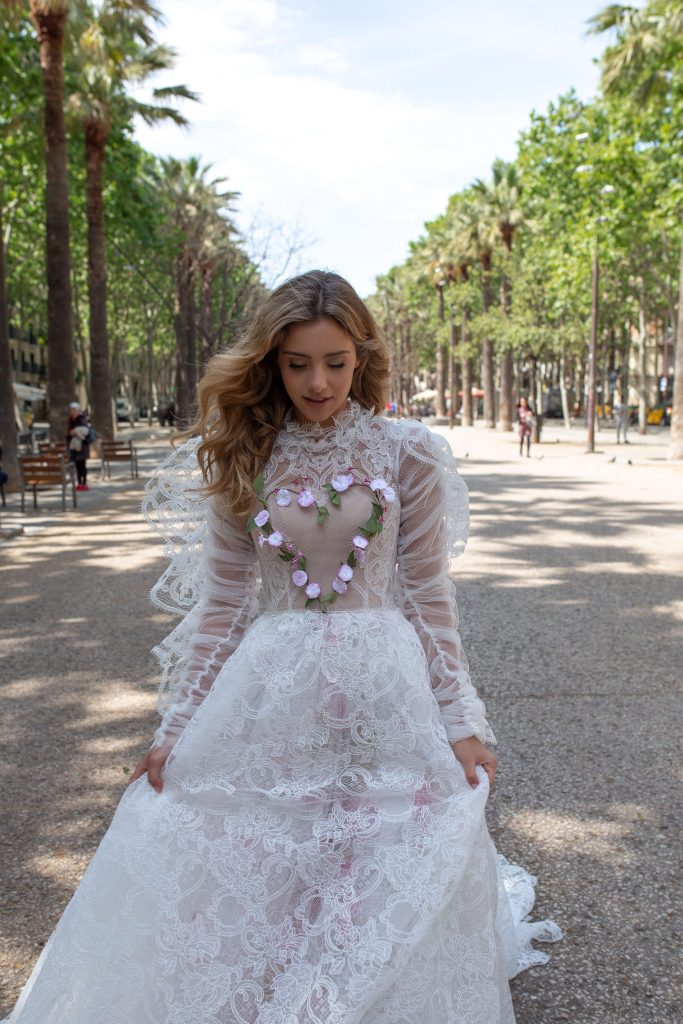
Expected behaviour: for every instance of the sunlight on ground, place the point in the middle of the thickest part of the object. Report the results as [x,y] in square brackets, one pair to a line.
[562,833]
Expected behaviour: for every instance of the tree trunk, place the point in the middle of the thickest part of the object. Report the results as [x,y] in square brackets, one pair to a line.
[467,418]
[8,427]
[453,372]
[676,436]
[191,342]
[49,25]
[505,406]
[180,324]
[533,377]
[642,369]
[441,361]
[208,272]
[538,408]
[563,392]
[100,374]
[399,369]
[487,351]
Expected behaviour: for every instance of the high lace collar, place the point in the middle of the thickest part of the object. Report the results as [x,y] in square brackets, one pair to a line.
[350,416]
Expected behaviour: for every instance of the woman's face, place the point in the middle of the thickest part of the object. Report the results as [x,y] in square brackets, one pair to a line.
[316,361]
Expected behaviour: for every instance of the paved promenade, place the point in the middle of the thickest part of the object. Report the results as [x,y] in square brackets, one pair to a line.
[571,600]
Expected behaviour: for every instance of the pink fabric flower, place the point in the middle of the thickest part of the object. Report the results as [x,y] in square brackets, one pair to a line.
[341,483]
[283,497]
[360,555]
[349,478]
[262,518]
[275,540]
[359,541]
[313,590]
[261,539]
[345,572]
[306,498]
[389,494]
[378,484]
[299,578]
[339,586]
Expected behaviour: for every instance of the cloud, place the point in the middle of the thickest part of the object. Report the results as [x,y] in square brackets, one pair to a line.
[357,122]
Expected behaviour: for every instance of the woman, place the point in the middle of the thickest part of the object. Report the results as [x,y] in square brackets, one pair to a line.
[305,840]
[525,425]
[78,446]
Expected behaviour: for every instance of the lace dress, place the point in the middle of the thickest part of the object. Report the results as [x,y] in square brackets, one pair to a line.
[316,855]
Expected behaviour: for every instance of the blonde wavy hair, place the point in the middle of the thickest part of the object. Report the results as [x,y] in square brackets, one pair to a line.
[242,400]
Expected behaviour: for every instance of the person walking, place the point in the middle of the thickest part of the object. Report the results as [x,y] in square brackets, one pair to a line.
[525,425]
[78,444]
[620,413]
[305,840]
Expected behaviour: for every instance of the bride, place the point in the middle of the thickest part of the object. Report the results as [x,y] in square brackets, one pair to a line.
[305,841]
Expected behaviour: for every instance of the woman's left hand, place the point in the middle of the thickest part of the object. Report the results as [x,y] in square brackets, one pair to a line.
[472,752]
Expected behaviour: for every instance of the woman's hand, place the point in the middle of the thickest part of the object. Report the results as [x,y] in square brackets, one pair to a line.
[470,753]
[152,763]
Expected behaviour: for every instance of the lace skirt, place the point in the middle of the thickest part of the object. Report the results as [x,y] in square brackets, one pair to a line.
[316,856]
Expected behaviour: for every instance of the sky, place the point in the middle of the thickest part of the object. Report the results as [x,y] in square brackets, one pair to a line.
[345,125]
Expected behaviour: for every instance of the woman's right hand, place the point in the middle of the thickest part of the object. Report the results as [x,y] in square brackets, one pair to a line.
[152,763]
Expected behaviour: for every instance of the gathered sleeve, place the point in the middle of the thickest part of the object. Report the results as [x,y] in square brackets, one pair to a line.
[226,607]
[433,528]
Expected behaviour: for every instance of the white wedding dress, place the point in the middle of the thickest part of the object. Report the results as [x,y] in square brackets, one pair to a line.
[316,855]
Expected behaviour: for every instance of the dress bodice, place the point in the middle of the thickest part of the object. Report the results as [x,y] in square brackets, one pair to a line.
[321,523]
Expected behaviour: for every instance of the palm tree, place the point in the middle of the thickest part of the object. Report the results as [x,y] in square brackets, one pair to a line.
[477,234]
[115,48]
[194,207]
[501,197]
[8,428]
[441,272]
[643,65]
[464,255]
[49,18]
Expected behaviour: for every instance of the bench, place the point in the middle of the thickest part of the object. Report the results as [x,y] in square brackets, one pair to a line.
[118,451]
[41,472]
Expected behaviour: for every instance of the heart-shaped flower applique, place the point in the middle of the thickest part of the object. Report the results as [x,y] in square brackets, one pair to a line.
[384,494]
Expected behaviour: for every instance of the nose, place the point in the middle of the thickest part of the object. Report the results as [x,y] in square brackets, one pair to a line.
[318,380]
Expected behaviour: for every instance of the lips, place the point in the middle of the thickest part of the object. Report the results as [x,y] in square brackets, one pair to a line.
[317,401]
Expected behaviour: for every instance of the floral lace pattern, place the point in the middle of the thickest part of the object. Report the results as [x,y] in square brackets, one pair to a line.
[316,855]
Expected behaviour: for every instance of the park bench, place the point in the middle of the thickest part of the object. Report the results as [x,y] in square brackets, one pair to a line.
[118,451]
[45,471]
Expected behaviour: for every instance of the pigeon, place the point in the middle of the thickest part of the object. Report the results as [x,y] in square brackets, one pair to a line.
[613,459]
[629,462]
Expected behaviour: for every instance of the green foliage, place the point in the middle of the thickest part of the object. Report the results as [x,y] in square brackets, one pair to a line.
[603,174]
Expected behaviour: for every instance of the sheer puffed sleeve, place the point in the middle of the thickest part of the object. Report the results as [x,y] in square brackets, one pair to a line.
[433,529]
[211,581]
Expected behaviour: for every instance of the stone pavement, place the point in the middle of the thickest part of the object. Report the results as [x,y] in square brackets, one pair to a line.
[571,603]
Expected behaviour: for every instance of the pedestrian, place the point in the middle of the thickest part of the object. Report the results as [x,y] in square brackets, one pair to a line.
[305,840]
[620,413]
[525,425]
[78,446]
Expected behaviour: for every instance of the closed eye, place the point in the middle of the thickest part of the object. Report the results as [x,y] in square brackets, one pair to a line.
[302,366]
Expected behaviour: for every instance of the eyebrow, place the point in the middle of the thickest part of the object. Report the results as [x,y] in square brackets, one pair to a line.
[328,355]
